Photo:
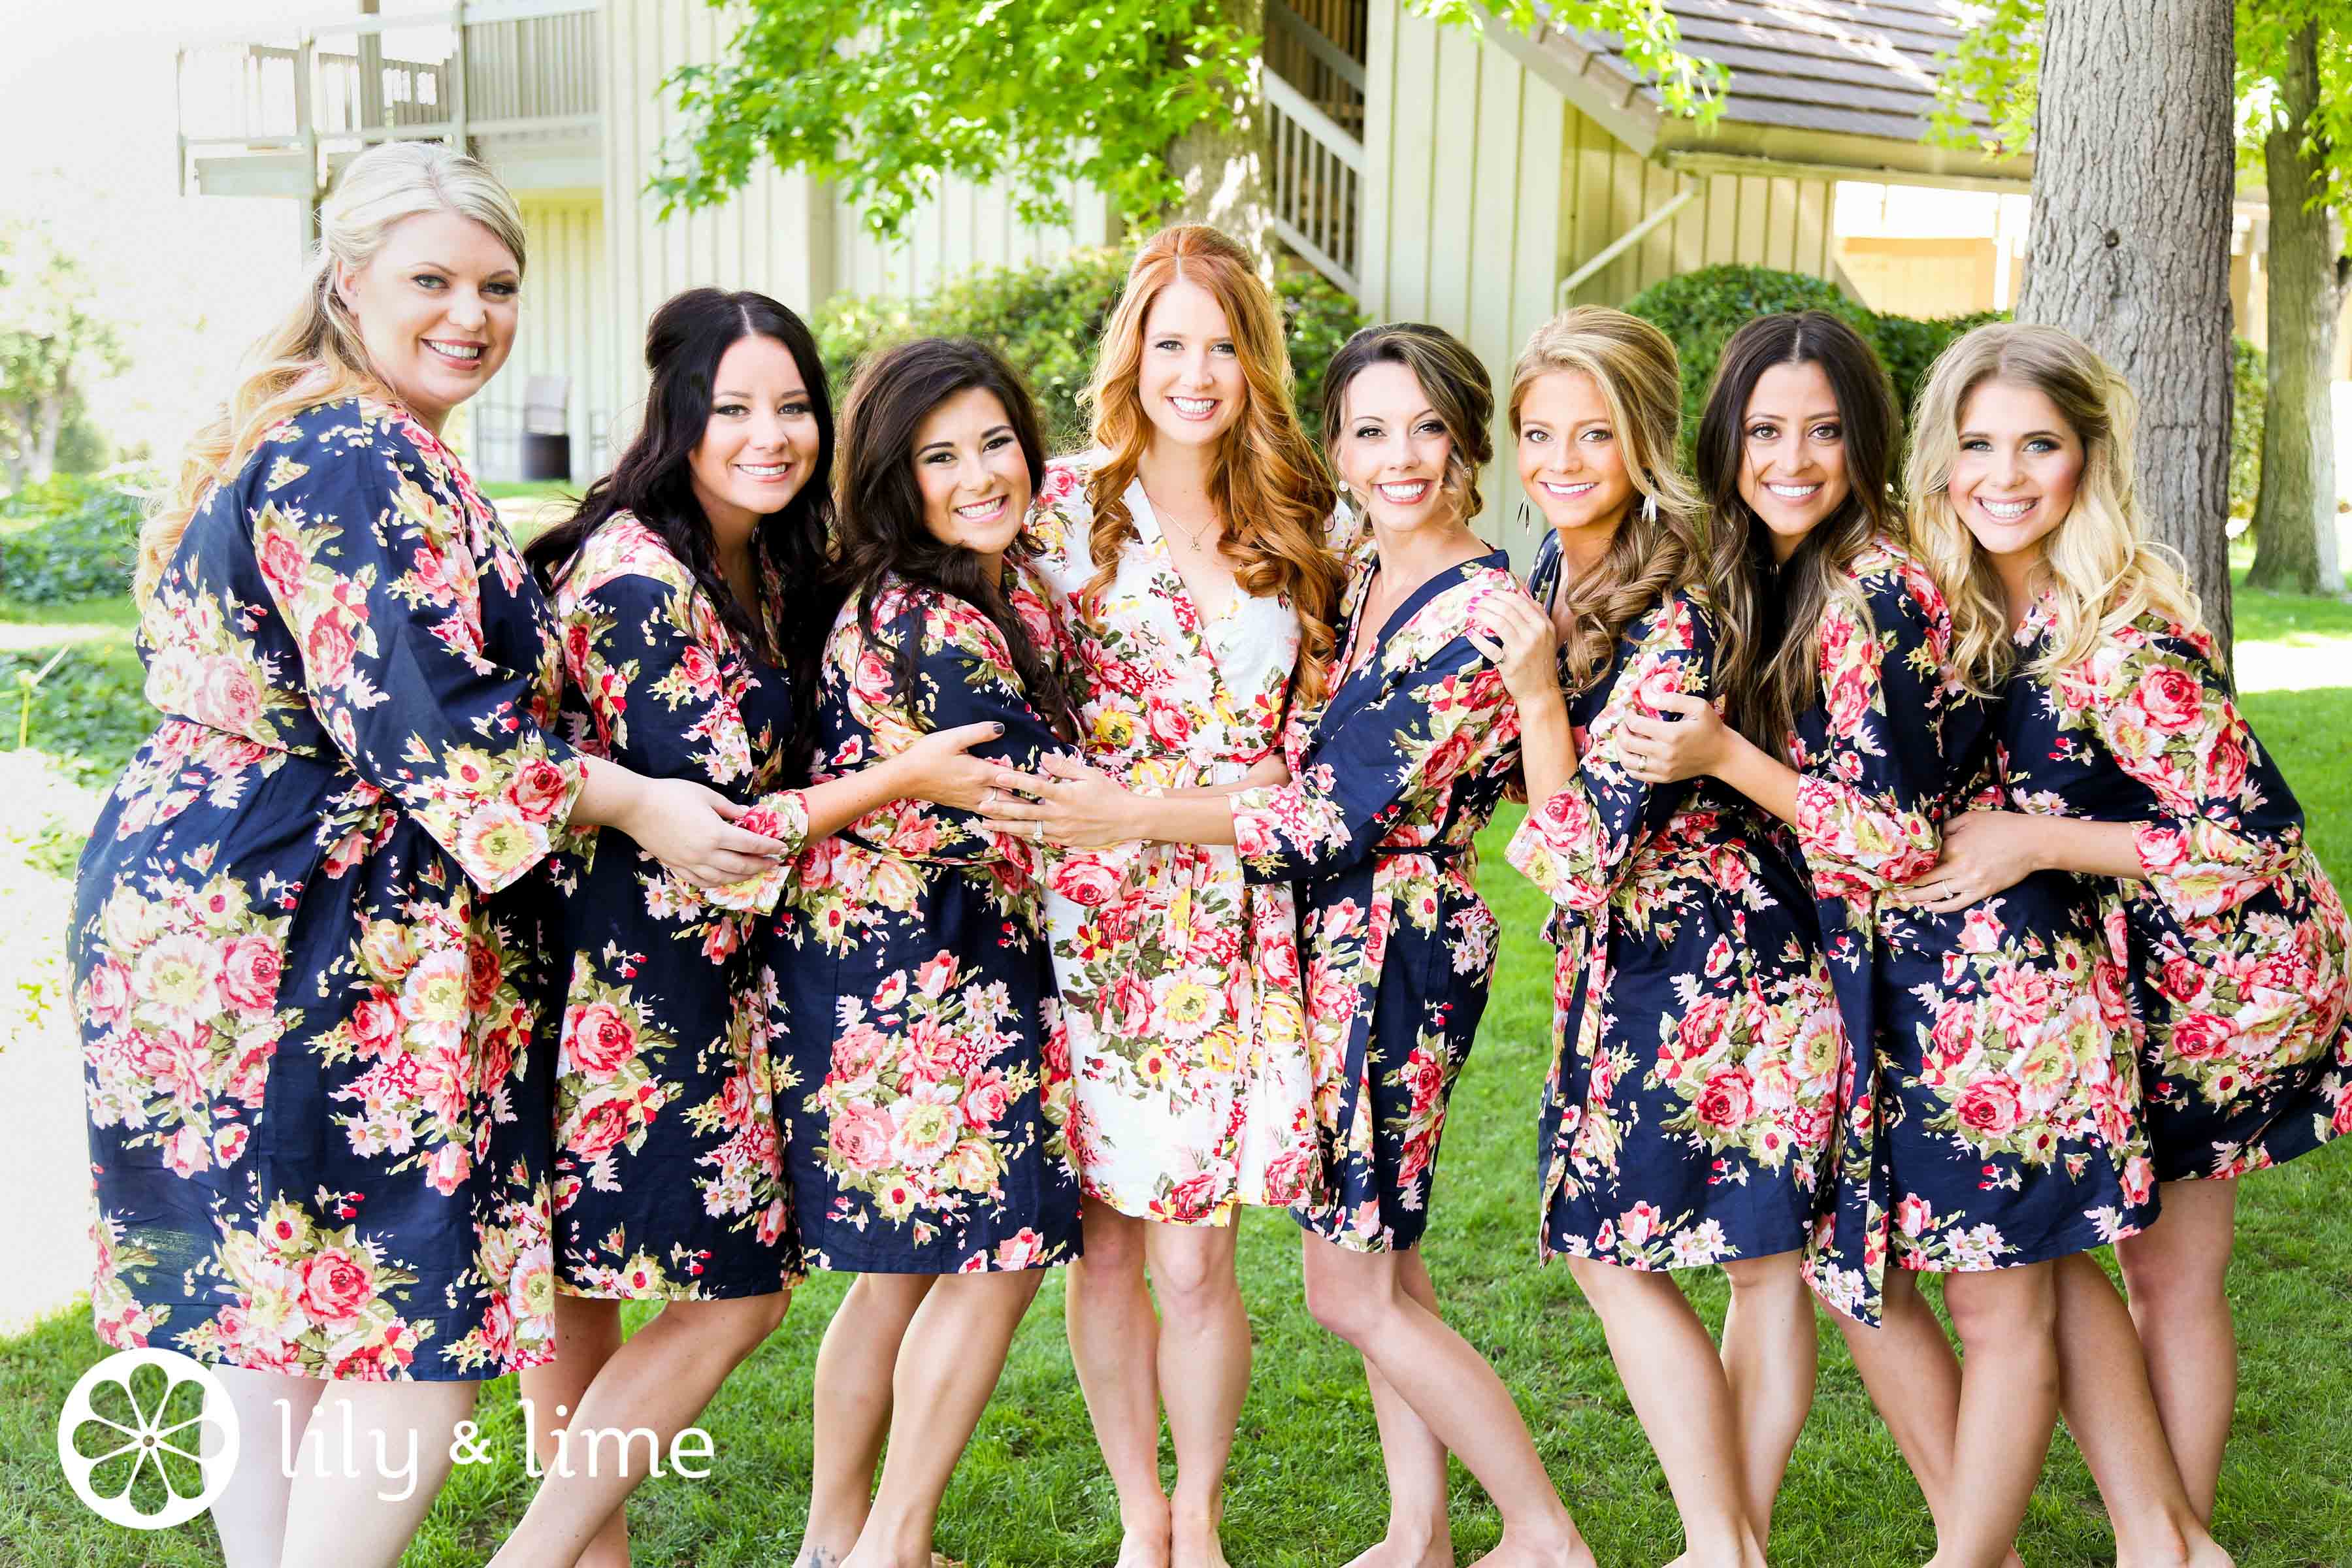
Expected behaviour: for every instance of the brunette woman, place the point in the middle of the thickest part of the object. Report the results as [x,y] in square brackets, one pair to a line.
[1991,1117]
[690,591]
[923,1071]
[1185,560]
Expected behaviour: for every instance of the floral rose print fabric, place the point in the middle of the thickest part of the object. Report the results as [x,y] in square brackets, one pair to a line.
[926,1078]
[1179,977]
[1992,1116]
[669,1178]
[307,969]
[1697,1042]
[2239,941]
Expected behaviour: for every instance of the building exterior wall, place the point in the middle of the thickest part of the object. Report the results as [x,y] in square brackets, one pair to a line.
[963,228]
[567,326]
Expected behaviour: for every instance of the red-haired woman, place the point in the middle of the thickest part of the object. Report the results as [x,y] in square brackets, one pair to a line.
[1185,558]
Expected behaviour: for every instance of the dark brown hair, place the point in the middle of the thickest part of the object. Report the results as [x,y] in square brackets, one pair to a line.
[1768,638]
[1459,390]
[881,532]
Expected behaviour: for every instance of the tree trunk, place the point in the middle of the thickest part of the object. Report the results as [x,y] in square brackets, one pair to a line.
[2131,253]
[43,465]
[1224,171]
[2295,513]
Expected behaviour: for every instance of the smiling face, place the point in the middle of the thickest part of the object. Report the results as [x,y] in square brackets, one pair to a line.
[435,308]
[1792,471]
[1189,377]
[761,441]
[2019,463]
[972,473]
[1572,454]
[1393,449]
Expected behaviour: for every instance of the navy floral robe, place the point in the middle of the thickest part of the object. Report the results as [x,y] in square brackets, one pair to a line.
[927,1076]
[668,1151]
[1697,1040]
[2239,941]
[1393,775]
[1992,1116]
[306,975]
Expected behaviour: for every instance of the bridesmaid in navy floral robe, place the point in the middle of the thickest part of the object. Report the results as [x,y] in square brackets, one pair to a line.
[2126,761]
[925,1074]
[307,974]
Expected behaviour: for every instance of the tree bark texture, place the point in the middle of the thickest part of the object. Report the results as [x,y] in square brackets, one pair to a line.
[1224,171]
[2295,512]
[2133,170]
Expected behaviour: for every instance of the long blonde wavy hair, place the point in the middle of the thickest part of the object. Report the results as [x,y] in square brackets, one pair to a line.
[1661,542]
[1268,483]
[315,354]
[2098,567]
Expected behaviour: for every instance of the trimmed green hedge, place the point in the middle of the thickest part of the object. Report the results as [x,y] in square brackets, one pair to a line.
[1045,318]
[70,538]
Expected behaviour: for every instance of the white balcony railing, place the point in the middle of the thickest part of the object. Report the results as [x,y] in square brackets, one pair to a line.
[1313,92]
[259,104]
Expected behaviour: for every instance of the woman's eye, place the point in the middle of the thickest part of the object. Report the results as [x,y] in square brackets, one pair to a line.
[427,280]
[1432,427]
[998,443]
[1168,345]
[1227,349]
[1538,436]
[1826,432]
[731,410]
[505,290]
[1974,444]
[1598,436]
[1764,432]
[794,410]
[1368,432]
[2041,444]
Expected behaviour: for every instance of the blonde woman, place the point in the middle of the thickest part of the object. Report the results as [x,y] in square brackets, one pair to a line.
[1696,1034]
[306,981]
[1185,560]
[2128,759]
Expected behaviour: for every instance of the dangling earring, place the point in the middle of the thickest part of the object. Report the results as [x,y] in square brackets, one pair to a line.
[1649,507]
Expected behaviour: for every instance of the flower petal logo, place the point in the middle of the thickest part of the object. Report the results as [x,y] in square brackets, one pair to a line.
[111,1434]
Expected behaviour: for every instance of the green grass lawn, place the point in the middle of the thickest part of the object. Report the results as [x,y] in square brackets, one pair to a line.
[1307,1485]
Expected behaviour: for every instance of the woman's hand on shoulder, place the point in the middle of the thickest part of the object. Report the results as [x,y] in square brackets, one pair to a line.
[1069,804]
[1694,742]
[1516,635]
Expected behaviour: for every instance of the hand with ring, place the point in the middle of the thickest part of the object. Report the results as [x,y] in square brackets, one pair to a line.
[1066,804]
[1690,740]
[1984,853]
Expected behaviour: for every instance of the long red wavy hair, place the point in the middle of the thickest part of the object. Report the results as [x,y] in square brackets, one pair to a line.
[1268,481]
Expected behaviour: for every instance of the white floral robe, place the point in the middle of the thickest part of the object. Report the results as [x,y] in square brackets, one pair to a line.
[1178,979]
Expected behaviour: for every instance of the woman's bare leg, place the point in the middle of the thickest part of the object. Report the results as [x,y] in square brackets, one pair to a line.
[272,1410]
[2177,1272]
[1115,1345]
[358,1506]
[2008,1322]
[1419,1533]
[1771,1353]
[1677,1386]
[1369,1300]
[852,1399]
[650,1389]
[587,1333]
[1913,1380]
[951,1356]
[1204,1367]
[2104,1392]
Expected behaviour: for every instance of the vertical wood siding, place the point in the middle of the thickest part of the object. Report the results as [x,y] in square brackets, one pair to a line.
[568,329]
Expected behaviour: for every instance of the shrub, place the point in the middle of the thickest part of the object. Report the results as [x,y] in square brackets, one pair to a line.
[1044,319]
[1701,310]
[68,537]
[90,713]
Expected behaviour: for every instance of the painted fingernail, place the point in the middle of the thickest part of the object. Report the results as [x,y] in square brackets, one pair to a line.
[998,727]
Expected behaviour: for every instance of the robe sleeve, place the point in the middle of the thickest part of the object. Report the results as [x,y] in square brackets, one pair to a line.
[1577,845]
[962,676]
[1867,806]
[375,569]
[1415,737]
[2229,826]
[653,672]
